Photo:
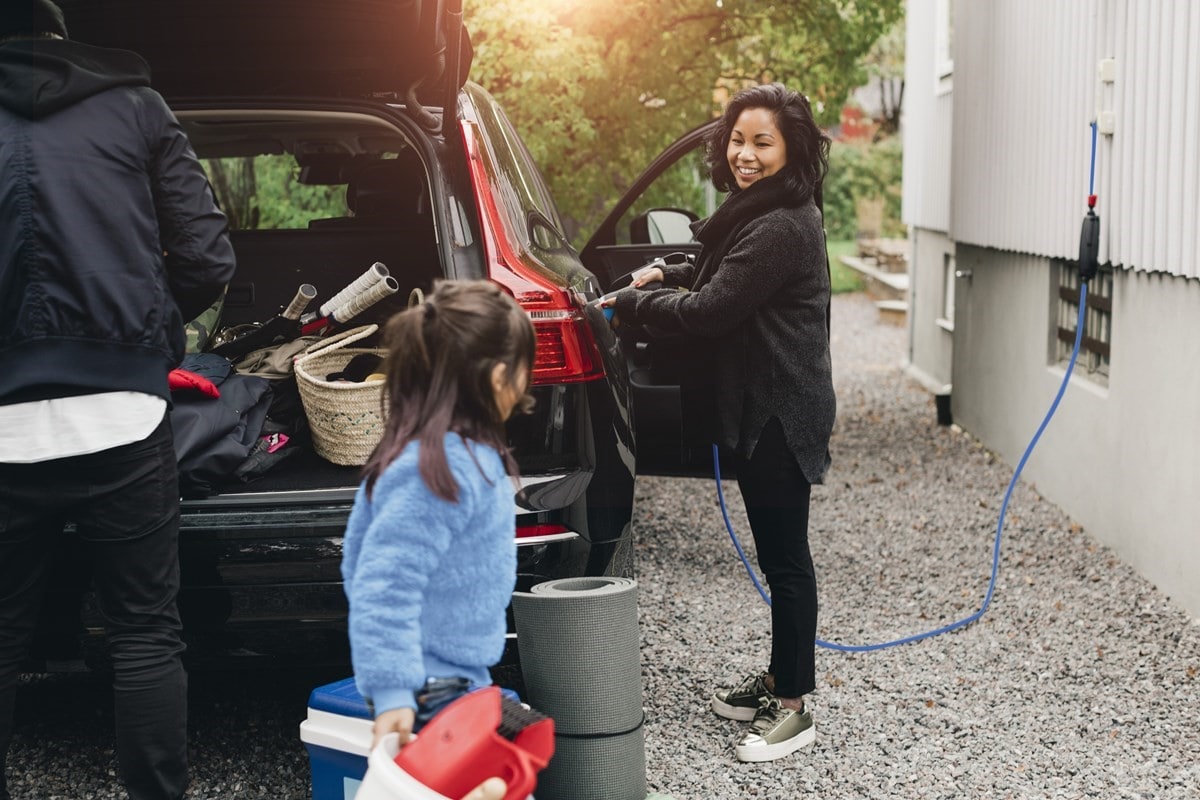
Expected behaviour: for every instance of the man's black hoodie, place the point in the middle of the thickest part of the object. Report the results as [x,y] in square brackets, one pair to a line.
[39,77]
[111,237]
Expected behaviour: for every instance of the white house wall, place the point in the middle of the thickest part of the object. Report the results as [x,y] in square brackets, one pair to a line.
[1121,460]
[925,127]
[1152,184]
[1026,73]
[1024,79]
[926,188]
[930,334]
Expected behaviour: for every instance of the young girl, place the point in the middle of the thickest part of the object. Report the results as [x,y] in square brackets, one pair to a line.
[429,562]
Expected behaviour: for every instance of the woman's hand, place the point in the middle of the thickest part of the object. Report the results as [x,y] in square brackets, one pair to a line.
[398,720]
[646,275]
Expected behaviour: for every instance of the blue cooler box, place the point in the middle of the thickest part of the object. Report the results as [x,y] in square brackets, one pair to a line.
[337,735]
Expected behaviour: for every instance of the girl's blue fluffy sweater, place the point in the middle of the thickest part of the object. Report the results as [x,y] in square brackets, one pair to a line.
[429,580]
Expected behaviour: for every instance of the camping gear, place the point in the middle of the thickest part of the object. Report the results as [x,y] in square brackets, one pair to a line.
[345,418]
[233,343]
[337,735]
[478,736]
[580,652]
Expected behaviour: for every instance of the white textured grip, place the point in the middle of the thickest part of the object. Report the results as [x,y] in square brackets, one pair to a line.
[374,274]
[359,303]
[304,296]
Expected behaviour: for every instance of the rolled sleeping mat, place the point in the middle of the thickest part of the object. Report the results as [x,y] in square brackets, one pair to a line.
[580,650]
[603,768]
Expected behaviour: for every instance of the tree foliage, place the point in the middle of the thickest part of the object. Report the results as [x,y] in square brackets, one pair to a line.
[265,192]
[597,88]
[863,172]
[885,67]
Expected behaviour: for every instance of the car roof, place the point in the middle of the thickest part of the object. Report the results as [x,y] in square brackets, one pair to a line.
[201,49]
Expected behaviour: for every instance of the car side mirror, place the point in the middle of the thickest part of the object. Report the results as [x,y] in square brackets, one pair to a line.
[662,226]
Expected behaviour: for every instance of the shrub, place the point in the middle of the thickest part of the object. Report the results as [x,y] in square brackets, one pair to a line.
[861,172]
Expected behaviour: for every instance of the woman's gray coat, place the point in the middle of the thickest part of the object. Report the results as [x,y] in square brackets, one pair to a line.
[759,303]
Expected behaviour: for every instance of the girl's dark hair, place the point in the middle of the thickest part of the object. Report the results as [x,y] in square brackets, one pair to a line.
[439,362]
[807,146]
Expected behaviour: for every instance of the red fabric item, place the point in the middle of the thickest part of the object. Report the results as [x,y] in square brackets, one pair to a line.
[181,379]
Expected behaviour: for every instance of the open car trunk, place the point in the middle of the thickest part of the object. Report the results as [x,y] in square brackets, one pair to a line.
[314,198]
[276,48]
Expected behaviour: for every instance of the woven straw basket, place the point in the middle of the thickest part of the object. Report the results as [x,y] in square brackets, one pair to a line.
[345,418]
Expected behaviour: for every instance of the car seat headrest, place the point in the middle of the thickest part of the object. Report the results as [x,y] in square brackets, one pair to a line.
[387,188]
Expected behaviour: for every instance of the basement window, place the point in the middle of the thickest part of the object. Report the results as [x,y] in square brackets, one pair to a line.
[1097,321]
[949,276]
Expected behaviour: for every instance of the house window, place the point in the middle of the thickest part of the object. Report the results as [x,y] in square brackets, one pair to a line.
[944,43]
[1097,321]
[946,320]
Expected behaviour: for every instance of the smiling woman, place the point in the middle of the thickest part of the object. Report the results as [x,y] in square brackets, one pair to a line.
[758,307]
[756,147]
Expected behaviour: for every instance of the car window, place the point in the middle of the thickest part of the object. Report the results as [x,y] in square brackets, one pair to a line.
[268,192]
[685,186]
[527,197]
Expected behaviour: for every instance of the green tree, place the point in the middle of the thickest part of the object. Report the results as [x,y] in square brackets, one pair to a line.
[861,172]
[265,192]
[598,88]
[885,66]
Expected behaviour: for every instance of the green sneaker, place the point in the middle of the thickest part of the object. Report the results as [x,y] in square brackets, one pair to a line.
[776,732]
[742,701]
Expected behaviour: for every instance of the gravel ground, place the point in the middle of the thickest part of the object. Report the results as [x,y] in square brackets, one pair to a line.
[1082,680]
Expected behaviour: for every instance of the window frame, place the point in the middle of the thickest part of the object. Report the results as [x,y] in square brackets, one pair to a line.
[1095,347]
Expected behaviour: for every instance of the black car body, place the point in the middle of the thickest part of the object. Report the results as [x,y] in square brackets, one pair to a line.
[335,92]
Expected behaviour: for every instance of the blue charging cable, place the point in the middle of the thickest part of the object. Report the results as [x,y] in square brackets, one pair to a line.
[987,600]
[1085,271]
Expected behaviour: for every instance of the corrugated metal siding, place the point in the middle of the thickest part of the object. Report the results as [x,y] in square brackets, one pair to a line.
[1023,74]
[925,125]
[1025,81]
[1155,186]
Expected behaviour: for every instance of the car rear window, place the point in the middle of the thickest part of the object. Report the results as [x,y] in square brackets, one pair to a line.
[268,192]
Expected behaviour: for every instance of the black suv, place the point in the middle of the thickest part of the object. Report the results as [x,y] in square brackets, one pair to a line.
[367,100]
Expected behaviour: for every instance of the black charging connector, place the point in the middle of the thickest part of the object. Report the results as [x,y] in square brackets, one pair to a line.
[1089,246]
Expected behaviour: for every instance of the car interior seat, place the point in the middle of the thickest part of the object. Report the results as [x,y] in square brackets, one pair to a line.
[384,193]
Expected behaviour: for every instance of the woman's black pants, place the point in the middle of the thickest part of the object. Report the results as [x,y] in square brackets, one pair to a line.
[125,505]
[776,495]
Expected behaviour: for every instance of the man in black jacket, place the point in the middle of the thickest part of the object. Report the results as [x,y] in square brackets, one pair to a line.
[110,239]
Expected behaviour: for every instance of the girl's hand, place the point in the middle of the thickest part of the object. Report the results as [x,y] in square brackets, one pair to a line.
[647,275]
[491,789]
[399,720]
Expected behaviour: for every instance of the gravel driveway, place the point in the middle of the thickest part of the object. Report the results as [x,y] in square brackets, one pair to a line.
[1082,680]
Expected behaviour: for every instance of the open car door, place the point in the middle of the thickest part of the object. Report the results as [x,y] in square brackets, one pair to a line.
[651,221]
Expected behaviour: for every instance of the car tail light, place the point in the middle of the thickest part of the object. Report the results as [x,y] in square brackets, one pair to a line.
[542,529]
[539,534]
[566,349]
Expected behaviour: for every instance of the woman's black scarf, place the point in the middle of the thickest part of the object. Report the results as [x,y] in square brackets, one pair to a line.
[716,233]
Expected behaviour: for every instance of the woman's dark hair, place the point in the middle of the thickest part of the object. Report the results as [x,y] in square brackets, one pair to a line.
[439,362]
[807,146]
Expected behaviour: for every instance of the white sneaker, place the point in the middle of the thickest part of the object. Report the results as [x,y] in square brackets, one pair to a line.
[776,732]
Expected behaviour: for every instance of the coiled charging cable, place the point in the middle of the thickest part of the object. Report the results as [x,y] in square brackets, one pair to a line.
[1088,247]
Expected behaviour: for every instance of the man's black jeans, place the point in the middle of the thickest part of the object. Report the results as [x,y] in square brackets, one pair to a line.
[125,506]
[777,494]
